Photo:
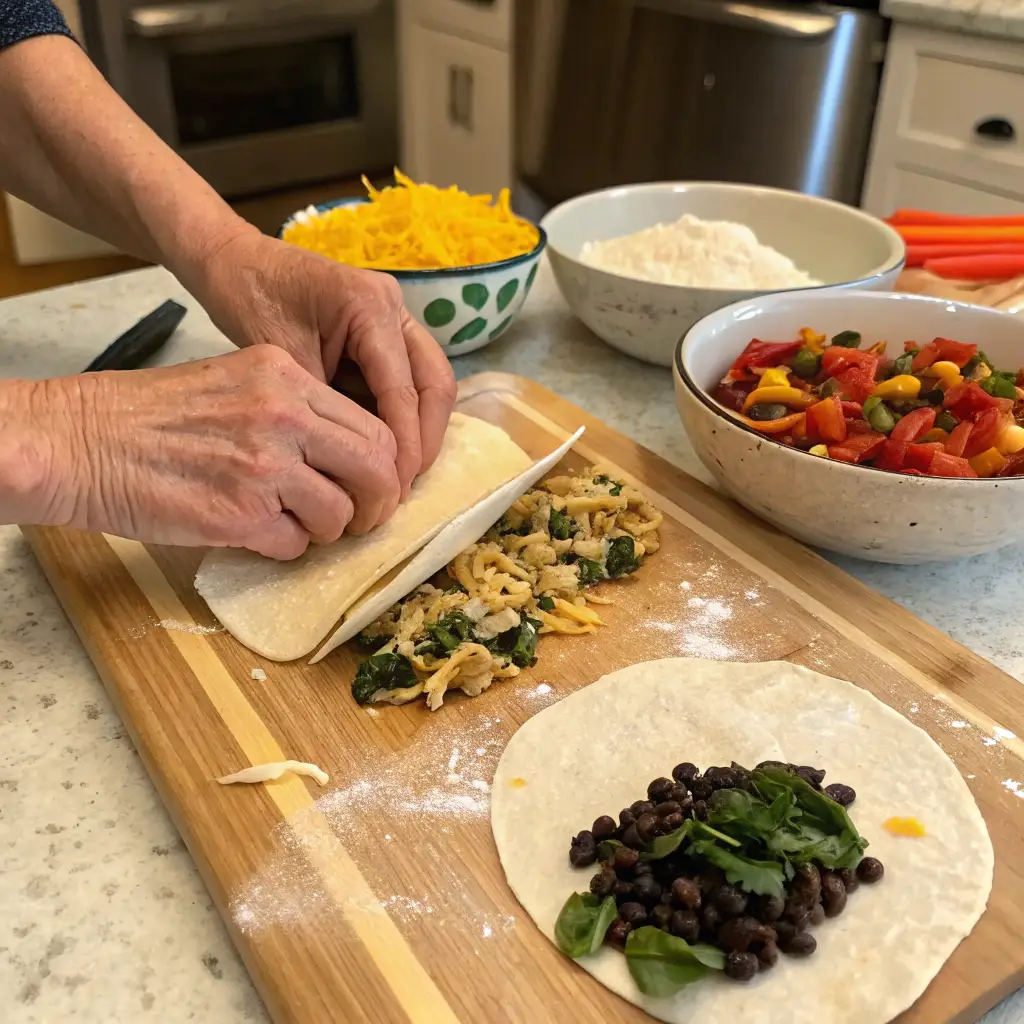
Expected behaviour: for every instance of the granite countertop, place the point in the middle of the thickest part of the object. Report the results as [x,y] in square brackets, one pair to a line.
[1001,18]
[103,917]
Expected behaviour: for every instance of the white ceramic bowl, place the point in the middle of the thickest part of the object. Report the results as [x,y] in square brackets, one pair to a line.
[464,308]
[855,510]
[836,244]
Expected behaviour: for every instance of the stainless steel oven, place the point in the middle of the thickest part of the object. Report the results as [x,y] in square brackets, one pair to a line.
[256,94]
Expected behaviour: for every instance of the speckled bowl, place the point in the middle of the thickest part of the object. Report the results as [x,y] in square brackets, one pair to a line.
[855,510]
[464,308]
[837,244]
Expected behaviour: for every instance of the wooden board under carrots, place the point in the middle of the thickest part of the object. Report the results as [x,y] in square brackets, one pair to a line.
[380,897]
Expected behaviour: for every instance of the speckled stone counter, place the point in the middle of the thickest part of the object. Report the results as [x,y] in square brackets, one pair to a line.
[1001,18]
[103,917]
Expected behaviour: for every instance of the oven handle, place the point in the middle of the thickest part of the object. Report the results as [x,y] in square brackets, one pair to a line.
[773,19]
[160,20]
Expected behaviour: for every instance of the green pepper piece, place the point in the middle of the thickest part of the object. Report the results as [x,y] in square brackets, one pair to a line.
[1000,384]
[902,364]
[870,404]
[847,339]
[806,364]
[829,388]
[882,419]
[767,411]
[946,421]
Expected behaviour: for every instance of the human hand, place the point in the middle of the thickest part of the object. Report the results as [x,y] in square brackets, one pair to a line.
[243,450]
[260,290]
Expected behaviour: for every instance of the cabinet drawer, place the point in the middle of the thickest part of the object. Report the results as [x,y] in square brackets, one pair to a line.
[456,111]
[906,188]
[487,20]
[952,99]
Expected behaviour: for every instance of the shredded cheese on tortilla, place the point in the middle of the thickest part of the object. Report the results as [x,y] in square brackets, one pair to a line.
[409,226]
[274,770]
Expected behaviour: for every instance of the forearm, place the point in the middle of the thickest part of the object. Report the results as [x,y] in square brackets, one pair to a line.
[70,146]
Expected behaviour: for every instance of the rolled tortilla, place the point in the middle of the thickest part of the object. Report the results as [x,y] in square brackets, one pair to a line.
[282,610]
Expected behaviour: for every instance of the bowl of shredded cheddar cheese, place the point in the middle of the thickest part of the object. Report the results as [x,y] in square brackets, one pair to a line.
[465,263]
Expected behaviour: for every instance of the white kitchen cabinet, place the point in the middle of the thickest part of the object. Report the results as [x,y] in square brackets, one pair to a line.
[949,134]
[456,113]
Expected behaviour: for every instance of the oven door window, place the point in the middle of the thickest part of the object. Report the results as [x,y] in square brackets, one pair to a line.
[227,93]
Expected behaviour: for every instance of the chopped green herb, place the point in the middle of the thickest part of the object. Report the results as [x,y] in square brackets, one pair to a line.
[560,526]
[546,603]
[847,339]
[765,877]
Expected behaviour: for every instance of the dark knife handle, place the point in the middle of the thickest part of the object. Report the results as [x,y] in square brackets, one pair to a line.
[140,342]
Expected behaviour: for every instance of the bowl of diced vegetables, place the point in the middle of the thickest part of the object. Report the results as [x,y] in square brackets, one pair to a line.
[885,426]
[465,263]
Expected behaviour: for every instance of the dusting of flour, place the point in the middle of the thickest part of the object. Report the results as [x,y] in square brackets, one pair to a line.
[697,254]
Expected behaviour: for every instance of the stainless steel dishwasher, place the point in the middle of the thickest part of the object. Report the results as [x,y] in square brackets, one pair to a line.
[609,92]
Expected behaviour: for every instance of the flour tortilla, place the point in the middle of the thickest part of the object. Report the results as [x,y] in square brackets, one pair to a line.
[282,610]
[462,531]
[595,751]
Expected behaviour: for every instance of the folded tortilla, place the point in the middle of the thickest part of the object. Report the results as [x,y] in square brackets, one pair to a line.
[283,610]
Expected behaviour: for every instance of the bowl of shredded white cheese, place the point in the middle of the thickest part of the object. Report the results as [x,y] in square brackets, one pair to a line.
[641,264]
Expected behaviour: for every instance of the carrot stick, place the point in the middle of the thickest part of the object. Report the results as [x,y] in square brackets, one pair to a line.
[933,234]
[920,218]
[998,267]
[917,254]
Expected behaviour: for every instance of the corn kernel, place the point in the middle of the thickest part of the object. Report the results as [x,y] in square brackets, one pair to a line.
[904,386]
[776,377]
[1011,440]
[819,449]
[947,372]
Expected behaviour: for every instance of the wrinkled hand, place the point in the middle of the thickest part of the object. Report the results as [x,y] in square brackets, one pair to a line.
[259,290]
[244,450]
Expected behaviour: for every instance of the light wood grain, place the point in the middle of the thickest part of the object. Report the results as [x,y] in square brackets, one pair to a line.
[380,898]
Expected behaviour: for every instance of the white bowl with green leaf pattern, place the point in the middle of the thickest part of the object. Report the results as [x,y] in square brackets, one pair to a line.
[464,308]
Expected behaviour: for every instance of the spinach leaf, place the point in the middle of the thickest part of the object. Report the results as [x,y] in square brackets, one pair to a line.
[765,877]
[662,846]
[743,813]
[560,526]
[583,922]
[1000,384]
[453,629]
[606,849]
[518,644]
[546,603]
[662,964]
[387,672]
[590,572]
[847,339]
[621,559]
[615,490]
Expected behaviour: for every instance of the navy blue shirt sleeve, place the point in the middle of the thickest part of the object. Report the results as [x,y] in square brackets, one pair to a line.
[23,19]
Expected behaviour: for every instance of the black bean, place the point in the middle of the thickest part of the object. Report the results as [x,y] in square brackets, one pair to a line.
[634,914]
[817,915]
[686,893]
[631,837]
[639,807]
[661,915]
[771,908]
[604,827]
[626,817]
[582,850]
[701,788]
[645,826]
[646,890]
[833,894]
[806,888]
[679,793]
[685,772]
[603,882]
[729,900]
[739,932]
[685,925]
[844,795]
[622,891]
[616,934]
[801,944]
[643,867]
[625,858]
[667,807]
[851,883]
[784,930]
[700,810]
[721,778]
[709,879]
[710,918]
[767,956]
[870,870]
[740,966]
[672,822]
[659,788]
[814,776]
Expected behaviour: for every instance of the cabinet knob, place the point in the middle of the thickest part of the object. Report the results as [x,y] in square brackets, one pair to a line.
[999,129]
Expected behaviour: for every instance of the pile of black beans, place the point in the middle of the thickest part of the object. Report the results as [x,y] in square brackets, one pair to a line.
[701,906]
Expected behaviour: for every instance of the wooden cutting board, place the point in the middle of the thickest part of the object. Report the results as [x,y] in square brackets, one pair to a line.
[380,898]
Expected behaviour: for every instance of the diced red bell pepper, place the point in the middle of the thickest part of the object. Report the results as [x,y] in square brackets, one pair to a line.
[928,355]
[734,393]
[854,409]
[914,425]
[919,456]
[835,359]
[862,446]
[841,454]
[856,383]
[966,400]
[955,351]
[911,472]
[984,434]
[825,420]
[858,425]
[763,354]
[891,455]
[884,365]
[950,465]
[957,440]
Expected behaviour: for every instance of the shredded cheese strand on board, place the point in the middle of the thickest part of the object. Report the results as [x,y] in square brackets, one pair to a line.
[274,770]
